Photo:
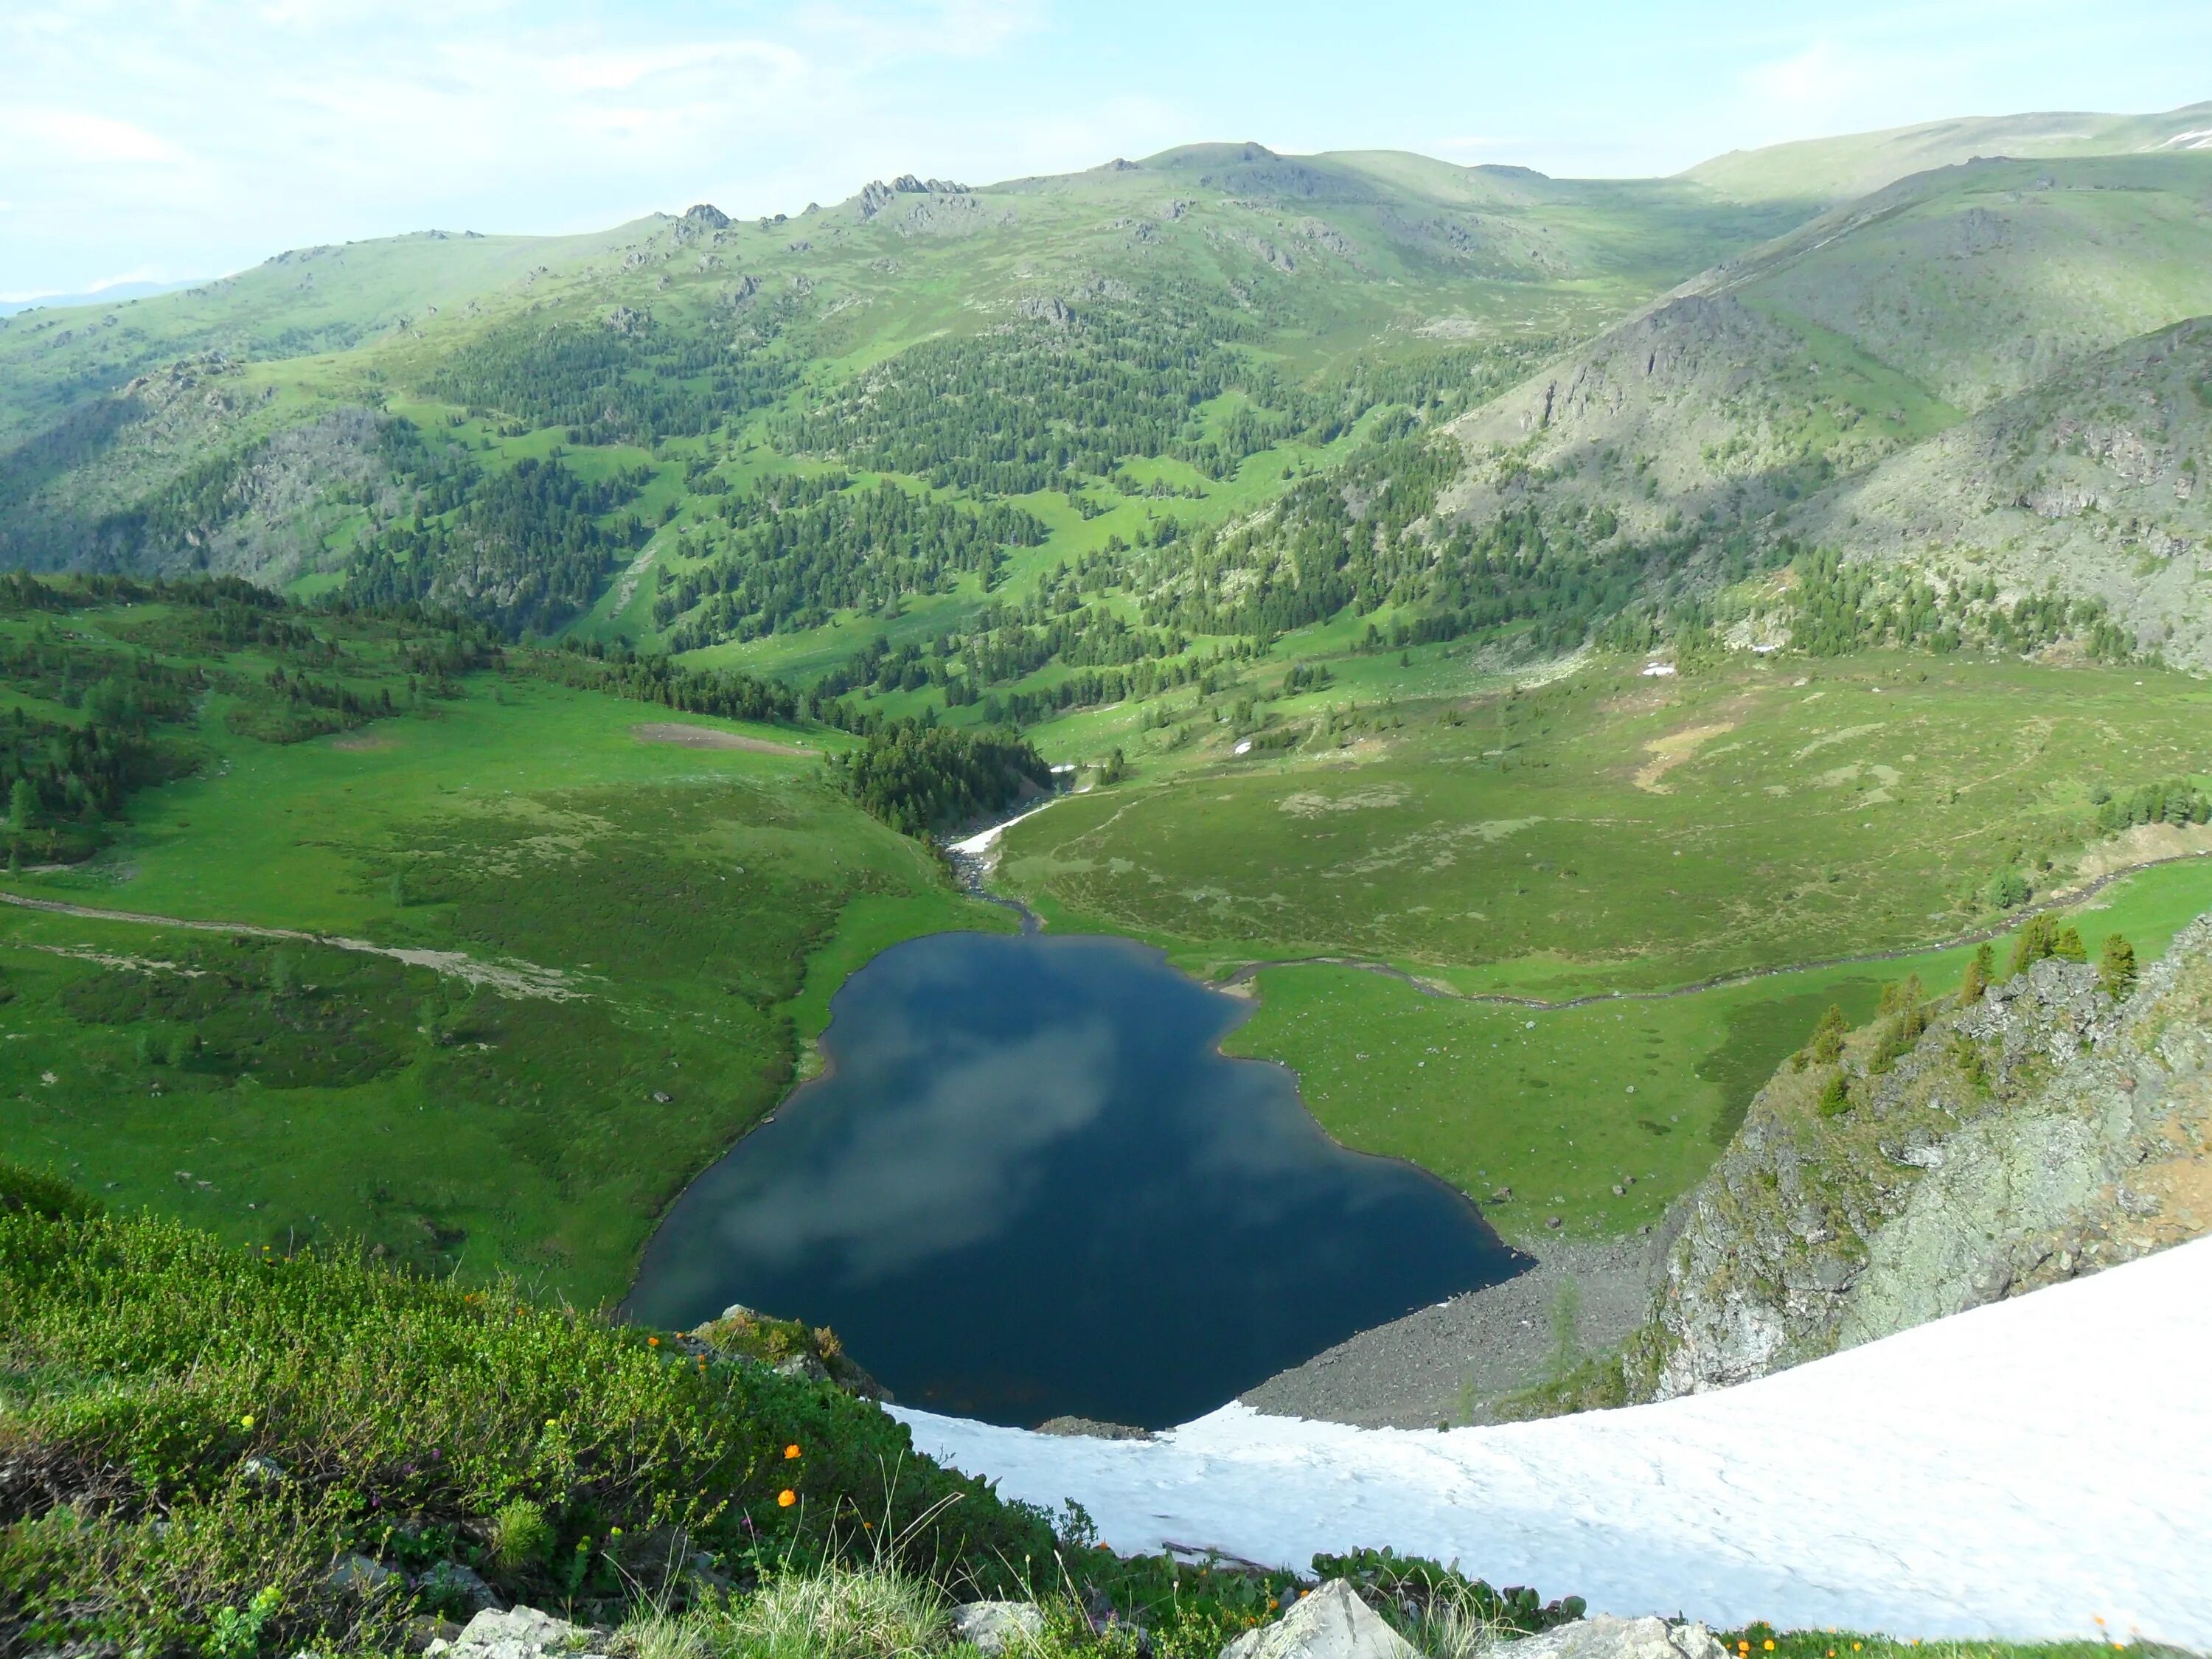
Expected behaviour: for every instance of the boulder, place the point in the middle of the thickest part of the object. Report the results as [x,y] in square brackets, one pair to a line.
[524,1633]
[997,1626]
[1092,1428]
[1604,1637]
[451,1584]
[425,1629]
[361,1574]
[1331,1623]
[263,1471]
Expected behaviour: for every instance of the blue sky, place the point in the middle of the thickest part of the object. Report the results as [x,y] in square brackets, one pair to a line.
[147,141]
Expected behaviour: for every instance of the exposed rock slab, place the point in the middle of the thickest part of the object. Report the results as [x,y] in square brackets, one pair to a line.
[523,1633]
[997,1626]
[1331,1623]
[1604,1637]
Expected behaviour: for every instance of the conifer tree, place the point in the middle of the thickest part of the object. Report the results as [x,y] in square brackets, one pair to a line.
[1835,1097]
[2037,940]
[1828,1036]
[1977,979]
[2115,966]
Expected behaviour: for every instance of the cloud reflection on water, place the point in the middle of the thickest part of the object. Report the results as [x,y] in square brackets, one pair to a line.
[1031,1184]
[934,1171]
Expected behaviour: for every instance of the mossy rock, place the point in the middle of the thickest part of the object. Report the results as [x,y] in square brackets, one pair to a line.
[787,1345]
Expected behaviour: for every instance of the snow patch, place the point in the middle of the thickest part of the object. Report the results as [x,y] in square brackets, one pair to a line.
[2020,1470]
[977,845]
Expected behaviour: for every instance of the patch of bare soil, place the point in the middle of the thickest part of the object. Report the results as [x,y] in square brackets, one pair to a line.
[709,736]
[1676,749]
[354,742]
[510,978]
[2146,843]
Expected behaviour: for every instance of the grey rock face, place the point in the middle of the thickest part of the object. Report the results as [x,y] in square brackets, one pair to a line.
[1604,1637]
[1331,1623]
[997,1626]
[525,1633]
[2044,1132]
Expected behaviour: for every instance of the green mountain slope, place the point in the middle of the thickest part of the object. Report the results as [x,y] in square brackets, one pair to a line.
[2091,481]
[1839,169]
[142,436]
[1010,451]
[1862,334]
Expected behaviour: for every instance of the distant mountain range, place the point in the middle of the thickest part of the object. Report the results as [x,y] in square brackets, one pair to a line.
[1961,350]
[113,294]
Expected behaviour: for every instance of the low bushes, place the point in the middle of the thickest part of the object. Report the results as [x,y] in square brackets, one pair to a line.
[184,1426]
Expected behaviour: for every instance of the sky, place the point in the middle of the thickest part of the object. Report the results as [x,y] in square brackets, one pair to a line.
[161,140]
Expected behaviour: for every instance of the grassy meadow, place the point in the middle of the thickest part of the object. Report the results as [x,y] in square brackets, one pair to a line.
[1603,1114]
[1612,831]
[679,916]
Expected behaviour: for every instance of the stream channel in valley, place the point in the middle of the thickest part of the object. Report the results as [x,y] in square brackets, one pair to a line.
[1029,1185]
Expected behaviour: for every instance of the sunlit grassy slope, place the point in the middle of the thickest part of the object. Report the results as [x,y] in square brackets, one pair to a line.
[1835,169]
[1612,830]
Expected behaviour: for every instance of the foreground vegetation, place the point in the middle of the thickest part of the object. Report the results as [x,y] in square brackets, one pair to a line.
[193,1433]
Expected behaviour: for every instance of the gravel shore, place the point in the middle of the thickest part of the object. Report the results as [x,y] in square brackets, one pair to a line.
[1454,1361]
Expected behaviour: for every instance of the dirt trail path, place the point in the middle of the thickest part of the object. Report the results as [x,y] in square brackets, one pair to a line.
[2065,900]
[509,978]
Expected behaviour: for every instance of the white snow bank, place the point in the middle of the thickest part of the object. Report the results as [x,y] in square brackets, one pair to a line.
[982,843]
[2025,1469]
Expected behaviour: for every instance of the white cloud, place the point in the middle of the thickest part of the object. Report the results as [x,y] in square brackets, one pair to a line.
[52,135]
[1816,83]
[206,134]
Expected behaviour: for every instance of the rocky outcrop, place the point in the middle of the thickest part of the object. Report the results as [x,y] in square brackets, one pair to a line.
[1604,1637]
[877,195]
[1045,308]
[1331,1623]
[525,1633]
[786,1347]
[998,1626]
[1695,407]
[2043,1133]
[2090,482]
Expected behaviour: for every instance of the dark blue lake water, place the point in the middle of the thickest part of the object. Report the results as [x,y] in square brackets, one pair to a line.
[1029,1185]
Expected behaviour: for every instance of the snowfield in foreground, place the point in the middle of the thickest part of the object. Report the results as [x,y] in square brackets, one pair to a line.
[2025,1469]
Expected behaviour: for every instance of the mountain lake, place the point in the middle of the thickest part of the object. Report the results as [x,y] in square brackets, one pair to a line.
[1027,1185]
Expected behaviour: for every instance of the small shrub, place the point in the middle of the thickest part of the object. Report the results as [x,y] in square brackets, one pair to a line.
[26,1192]
[235,1633]
[521,1536]
[1966,1055]
[1835,1097]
